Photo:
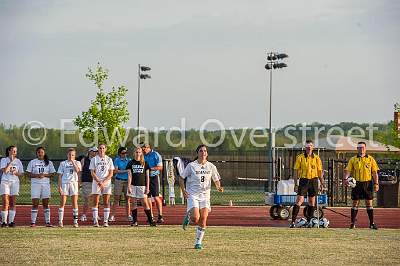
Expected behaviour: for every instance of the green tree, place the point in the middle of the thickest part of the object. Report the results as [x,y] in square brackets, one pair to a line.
[108,112]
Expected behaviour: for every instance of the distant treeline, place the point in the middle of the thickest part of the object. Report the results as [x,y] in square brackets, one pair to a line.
[239,140]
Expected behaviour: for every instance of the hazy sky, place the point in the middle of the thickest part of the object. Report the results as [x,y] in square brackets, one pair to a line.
[207,59]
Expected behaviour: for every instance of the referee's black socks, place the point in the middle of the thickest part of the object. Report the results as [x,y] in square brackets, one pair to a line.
[295,212]
[370,212]
[354,211]
[310,213]
[148,214]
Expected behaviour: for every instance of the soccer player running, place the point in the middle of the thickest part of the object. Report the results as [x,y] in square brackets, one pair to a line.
[364,169]
[40,170]
[68,172]
[102,168]
[121,182]
[86,181]
[11,168]
[198,175]
[154,161]
[308,168]
[139,182]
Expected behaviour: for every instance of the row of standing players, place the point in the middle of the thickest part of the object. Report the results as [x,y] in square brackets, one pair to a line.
[362,167]
[93,172]
[143,171]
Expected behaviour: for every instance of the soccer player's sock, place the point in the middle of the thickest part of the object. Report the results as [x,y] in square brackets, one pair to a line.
[148,214]
[34,213]
[199,234]
[134,215]
[370,212]
[4,215]
[95,212]
[354,211]
[310,212]
[75,215]
[47,215]
[295,212]
[106,214]
[11,216]
[60,215]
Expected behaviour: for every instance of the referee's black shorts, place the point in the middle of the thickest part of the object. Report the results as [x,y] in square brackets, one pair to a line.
[154,186]
[363,191]
[308,187]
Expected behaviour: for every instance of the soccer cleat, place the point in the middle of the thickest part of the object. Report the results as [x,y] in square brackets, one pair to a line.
[198,246]
[105,224]
[95,224]
[83,218]
[111,219]
[134,224]
[373,226]
[76,225]
[12,224]
[60,224]
[292,225]
[33,225]
[49,225]
[352,226]
[153,224]
[160,220]
[3,225]
[186,221]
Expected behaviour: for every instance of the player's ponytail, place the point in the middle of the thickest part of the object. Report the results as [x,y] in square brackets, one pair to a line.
[45,157]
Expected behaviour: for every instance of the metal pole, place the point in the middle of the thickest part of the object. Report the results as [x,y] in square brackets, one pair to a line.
[270,146]
[138,103]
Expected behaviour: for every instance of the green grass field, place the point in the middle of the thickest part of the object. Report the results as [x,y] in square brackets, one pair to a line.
[222,245]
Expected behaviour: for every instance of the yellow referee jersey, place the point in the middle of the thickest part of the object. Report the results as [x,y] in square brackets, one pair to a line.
[361,168]
[308,166]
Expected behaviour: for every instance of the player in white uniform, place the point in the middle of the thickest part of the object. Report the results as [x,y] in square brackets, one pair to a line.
[68,172]
[40,171]
[198,175]
[101,167]
[12,169]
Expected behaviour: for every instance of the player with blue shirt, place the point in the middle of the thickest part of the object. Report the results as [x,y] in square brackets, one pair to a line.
[154,160]
[121,183]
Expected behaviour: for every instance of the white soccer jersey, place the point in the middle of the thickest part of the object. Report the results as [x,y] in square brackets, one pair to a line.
[198,177]
[16,165]
[101,166]
[67,170]
[37,166]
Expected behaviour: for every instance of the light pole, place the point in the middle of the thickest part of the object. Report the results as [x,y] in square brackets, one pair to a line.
[273,62]
[140,77]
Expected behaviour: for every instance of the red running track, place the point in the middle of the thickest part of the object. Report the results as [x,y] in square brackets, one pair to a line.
[226,216]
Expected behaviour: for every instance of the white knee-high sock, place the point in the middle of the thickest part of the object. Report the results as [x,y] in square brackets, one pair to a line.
[60,215]
[199,235]
[34,213]
[4,215]
[47,215]
[106,214]
[75,215]
[95,212]
[11,216]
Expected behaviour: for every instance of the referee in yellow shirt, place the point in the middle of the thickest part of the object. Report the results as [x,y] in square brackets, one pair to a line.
[364,169]
[308,168]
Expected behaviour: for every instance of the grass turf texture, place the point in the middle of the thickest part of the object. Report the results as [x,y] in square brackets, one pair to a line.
[222,245]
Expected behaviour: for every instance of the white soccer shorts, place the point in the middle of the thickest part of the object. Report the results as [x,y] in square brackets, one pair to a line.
[106,191]
[199,202]
[70,189]
[138,192]
[40,191]
[9,187]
